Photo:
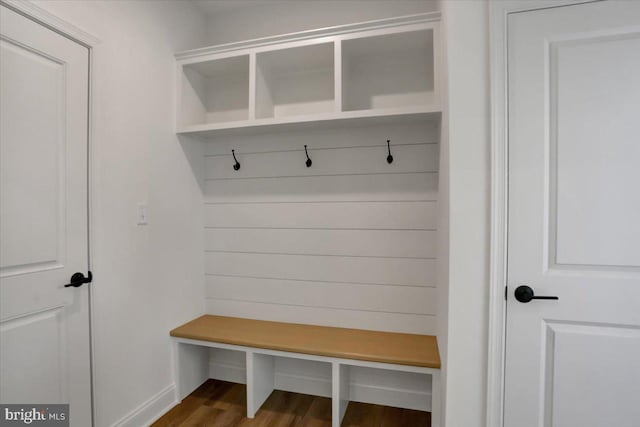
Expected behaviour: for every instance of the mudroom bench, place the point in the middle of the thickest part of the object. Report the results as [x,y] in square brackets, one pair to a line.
[263,341]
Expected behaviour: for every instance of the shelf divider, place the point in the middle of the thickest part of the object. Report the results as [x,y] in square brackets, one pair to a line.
[337,75]
[260,380]
[252,86]
[340,392]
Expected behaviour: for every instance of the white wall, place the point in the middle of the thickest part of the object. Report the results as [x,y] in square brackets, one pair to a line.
[466,140]
[261,20]
[147,279]
[442,266]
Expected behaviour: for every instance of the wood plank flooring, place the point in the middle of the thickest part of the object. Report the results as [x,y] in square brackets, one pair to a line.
[223,404]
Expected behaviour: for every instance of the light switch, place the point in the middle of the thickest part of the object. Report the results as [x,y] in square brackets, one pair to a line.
[142,214]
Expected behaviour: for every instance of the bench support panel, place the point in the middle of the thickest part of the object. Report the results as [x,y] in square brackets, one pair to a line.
[260,379]
[436,403]
[340,393]
[191,367]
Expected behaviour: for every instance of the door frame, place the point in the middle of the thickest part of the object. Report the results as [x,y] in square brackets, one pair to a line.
[32,11]
[499,11]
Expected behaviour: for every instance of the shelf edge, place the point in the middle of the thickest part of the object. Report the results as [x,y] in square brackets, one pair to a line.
[346,117]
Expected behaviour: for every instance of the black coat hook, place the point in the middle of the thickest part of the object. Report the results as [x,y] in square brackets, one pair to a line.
[309,162]
[389,157]
[237,165]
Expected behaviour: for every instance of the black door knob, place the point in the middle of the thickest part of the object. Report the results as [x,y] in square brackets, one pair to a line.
[78,280]
[525,294]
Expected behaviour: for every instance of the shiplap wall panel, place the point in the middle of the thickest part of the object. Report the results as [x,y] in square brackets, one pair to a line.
[336,215]
[357,319]
[326,161]
[381,298]
[349,242]
[381,187]
[384,271]
[373,243]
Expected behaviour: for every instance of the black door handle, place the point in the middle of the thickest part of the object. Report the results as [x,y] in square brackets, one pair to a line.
[525,294]
[78,280]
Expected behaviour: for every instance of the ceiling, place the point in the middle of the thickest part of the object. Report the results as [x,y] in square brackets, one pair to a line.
[211,7]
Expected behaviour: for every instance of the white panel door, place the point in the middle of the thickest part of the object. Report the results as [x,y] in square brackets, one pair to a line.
[574,217]
[44,327]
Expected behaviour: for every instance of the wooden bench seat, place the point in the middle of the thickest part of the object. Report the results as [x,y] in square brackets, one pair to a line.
[263,342]
[358,344]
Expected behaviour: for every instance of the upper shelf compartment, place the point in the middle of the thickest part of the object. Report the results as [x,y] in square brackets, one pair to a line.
[214,92]
[388,71]
[371,71]
[295,81]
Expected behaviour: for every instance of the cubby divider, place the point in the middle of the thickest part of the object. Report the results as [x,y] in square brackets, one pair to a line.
[260,380]
[340,395]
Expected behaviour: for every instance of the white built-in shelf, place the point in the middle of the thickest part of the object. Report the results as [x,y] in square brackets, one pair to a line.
[388,71]
[295,82]
[215,91]
[379,70]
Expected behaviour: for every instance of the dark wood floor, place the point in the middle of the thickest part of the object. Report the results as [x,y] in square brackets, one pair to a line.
[223,404]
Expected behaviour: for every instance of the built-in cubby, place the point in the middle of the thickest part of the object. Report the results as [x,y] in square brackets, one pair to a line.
[295,81]
[191,358]
[388,71]
[348,240]
[214,91]
[361,72]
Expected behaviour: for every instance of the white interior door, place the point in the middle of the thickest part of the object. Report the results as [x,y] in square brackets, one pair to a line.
[574,216]
[44,327]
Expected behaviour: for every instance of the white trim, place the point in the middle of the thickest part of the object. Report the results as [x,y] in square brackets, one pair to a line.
[498,265]
[310,34]
[229,372]
[150,410]
[35,12]
[92,43]
[498,14]
[94,49]
[303,384]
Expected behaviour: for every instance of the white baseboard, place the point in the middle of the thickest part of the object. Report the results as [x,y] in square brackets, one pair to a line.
[389,396]
[358,392]
[227,372]
[302,384]
[151,410]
